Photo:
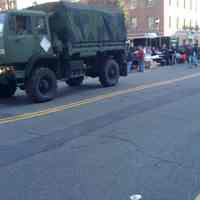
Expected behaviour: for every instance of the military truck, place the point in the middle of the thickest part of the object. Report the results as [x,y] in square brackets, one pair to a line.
[60,41]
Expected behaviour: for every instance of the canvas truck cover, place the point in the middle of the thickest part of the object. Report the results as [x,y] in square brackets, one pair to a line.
[76,23]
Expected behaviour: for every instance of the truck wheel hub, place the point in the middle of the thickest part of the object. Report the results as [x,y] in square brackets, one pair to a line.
[112,72]
[44,86]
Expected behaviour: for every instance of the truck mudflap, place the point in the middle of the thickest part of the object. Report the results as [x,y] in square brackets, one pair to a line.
[123,69]
[77,68]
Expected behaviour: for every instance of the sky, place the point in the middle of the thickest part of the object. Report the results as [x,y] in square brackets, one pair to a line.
[26,3]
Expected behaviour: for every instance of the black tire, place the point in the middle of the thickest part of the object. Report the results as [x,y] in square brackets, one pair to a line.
[22,87]
[109,74]
[9,90]
[42,85]
[75,82]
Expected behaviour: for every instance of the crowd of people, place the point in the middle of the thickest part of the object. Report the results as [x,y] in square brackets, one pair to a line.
[166,55]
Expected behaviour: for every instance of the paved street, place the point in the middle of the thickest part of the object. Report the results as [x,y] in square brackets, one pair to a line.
[92,143]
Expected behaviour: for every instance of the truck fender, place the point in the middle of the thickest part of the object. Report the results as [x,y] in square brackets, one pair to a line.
[36,59]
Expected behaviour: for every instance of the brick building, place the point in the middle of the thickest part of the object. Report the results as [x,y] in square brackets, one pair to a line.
[164,17]
[7,4]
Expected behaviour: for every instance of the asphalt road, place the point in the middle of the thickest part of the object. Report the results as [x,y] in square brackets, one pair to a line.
[141,137]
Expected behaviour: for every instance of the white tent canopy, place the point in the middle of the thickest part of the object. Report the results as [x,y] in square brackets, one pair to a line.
[150,35]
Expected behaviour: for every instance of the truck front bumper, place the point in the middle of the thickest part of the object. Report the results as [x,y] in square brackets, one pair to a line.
[7,74]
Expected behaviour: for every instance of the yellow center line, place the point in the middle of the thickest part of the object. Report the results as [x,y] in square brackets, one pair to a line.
[91,100]
[198,197]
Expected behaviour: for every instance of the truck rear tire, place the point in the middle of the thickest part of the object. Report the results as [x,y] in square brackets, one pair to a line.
[42,85]
[75,82]
[9,90]
[109,74]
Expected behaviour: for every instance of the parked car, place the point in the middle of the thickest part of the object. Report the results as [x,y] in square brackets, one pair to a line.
[159,58]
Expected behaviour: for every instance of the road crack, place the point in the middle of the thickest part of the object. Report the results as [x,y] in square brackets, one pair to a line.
[159,159]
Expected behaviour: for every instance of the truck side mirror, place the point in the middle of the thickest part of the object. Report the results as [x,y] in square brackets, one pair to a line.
[40,29]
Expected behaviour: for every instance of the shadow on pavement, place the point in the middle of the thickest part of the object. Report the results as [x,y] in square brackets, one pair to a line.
[20,99]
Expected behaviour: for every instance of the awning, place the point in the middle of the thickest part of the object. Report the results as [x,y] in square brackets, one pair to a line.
[150,35]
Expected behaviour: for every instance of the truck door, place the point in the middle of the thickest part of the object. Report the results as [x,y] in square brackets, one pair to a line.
[20,39]
[42,35]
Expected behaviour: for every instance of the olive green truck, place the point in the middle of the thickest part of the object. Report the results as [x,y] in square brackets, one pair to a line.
[60,41]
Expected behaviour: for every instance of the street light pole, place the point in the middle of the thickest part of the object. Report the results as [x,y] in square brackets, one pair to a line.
[157,22]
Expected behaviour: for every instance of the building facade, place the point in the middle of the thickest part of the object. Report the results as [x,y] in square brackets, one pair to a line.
[145,17]
[7,4]
[164,18]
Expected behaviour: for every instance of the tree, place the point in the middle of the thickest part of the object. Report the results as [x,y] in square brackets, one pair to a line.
[122,5]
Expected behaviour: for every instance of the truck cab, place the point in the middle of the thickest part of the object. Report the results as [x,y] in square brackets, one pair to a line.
[23,34]
[24,37]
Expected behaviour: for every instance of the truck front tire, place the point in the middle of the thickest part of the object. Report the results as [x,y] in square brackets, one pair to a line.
[109,74]
[42,85]
[75,82]
[9,90]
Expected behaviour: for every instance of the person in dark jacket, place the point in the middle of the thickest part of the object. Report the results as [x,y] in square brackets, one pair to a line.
[189,52]
[166,54]
[172,55]
[195,55]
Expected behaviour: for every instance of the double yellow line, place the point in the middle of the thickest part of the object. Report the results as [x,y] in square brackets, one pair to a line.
[91,100]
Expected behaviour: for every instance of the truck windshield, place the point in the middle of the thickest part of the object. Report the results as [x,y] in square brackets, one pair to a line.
[2,20]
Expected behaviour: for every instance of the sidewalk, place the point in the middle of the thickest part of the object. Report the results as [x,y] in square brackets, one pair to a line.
[158,66]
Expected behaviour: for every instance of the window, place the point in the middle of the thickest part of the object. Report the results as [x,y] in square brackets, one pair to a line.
[196,5]
[196,25]
[184,23]
[133,22]
[2,21]
[133,4]
[150,3]
[177,3]
[177,23]
[20,24]
[190,23]
[170,21]
[10,4]
[40,25]
[190,4]
[152,23]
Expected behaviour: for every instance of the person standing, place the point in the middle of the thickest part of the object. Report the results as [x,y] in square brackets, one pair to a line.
[172,53]
[190,54]
[195,55]
[130,60]
[140,56]
[166,54]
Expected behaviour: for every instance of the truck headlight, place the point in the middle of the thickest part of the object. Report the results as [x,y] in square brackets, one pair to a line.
[4,70]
